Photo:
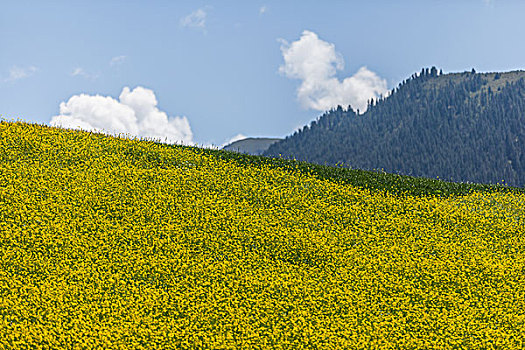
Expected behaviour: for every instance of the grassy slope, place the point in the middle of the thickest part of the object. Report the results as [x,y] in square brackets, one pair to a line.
[373,180]
[108,243]
[381,181]
[442,81]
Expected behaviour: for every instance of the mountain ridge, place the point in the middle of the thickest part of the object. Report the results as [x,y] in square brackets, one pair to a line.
[466,127]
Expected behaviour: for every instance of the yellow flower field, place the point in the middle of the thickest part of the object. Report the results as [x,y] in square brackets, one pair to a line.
[125,244]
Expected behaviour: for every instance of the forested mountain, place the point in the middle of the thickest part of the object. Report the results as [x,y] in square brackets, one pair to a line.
[462,127]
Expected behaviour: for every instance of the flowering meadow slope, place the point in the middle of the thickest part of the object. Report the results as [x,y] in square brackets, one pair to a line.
[118,243]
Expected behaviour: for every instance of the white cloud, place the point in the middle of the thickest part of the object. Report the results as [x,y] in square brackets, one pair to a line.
[196,19]
[80,72]
[17,73]
[315,62]
[134,113]
[117,60]
[263,9]
[233,139]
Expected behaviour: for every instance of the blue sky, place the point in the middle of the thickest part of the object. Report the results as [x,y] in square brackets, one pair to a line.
[206,71]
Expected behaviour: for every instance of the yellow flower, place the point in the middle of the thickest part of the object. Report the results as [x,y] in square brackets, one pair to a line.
[118,243]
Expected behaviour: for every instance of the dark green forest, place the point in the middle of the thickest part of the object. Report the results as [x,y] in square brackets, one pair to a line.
[463,127]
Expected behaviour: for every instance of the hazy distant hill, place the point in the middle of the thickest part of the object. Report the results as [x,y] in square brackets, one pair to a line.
[462,127]
[251,145]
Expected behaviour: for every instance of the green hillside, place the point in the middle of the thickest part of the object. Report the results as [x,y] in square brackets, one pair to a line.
[495,80]
[462,127]
[115,243]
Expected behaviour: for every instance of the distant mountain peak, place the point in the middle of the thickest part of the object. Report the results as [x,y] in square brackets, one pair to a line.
[251,145]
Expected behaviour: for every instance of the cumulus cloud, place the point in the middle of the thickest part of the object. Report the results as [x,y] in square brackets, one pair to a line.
[196,19]
[135,113]
[117,60]
[315,62]
[17,73]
